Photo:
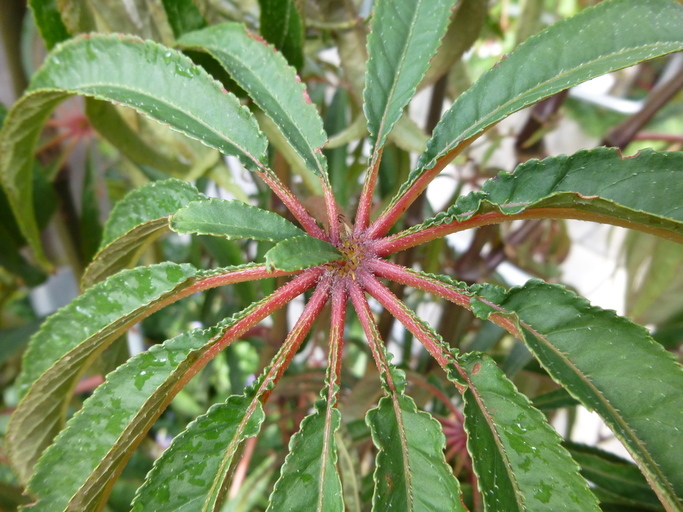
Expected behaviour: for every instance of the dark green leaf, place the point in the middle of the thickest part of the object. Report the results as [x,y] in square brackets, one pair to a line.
[412,473]
[301,252]
[612,35]
[285,100]
[76,470]
[611,366]
[282,26]
[49,21]
[136,221]
[404,37]
[641,192]
[90,227]
[69,340]
[517,455]
[554,400]
[183,16]
[158,82]
[16,338]
[233,220]
[191,474]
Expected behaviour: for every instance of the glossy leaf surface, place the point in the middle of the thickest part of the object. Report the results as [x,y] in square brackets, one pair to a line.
[309,479]
[412,473]
[68,340]
[404,37]
[253,65]
[612,35]
[232,220]
[301,252]
[111,422]
[517,455]
[135,221]
[191,474]
[159,82]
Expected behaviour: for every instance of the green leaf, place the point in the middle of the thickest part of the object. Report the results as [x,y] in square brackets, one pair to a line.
[613,367]
[301,252]
[254,488]
[517,455]
[90,227]
[641,192]
[49,21]
[76,471]
[232,220]
[617,480]
[412,473]
[612,35]
[285,100]
[159,82]
[404,37]
[309,479]
[135,222]
[69,340]
[183,16]
[191,474]
[282,26]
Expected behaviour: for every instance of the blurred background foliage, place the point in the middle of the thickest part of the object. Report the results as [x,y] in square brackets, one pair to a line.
[92,153]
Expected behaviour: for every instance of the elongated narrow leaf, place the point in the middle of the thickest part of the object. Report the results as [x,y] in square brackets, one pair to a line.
[404,37]
[69,340]
[76,469]
[412,473]
[272,84]
[232,220]
[49,22]
[612,366]
[282,26]
[191,473]
[642,192]
[159,82]
[309,479]
[517,455]
[301,252]
[612,35]
[183,16]
[136,221]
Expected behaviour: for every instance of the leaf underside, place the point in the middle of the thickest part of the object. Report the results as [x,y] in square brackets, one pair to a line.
[301,252]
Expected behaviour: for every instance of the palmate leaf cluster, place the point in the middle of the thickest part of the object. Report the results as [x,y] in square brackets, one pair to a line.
[519,462]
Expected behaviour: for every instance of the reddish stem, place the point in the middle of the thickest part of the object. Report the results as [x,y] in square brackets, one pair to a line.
[365,202]
[332,212]
[337,322]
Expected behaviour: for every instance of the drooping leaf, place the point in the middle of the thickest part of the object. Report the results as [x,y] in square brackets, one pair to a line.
[159,82]
[412,473]
[640,192]
[612,366]
[136,221]
[612,35]
[404,37]
[90,227]
[309,479]
[517,455]
[49,21]
[232,220]
[301,252]
[282,26]
[76,469]
[69,340]
[253,65]
[183,16]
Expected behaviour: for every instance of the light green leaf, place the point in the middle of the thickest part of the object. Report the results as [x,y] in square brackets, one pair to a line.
[232,220]
[253,65]
[612,35]
[73,337]
[159,82]
[191,474]
[309,479]
[301,252]
[404,37]
[282,26]
[612,366]
[76,470]
[517,455]
[135,222]
[412,473]
[641,192]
